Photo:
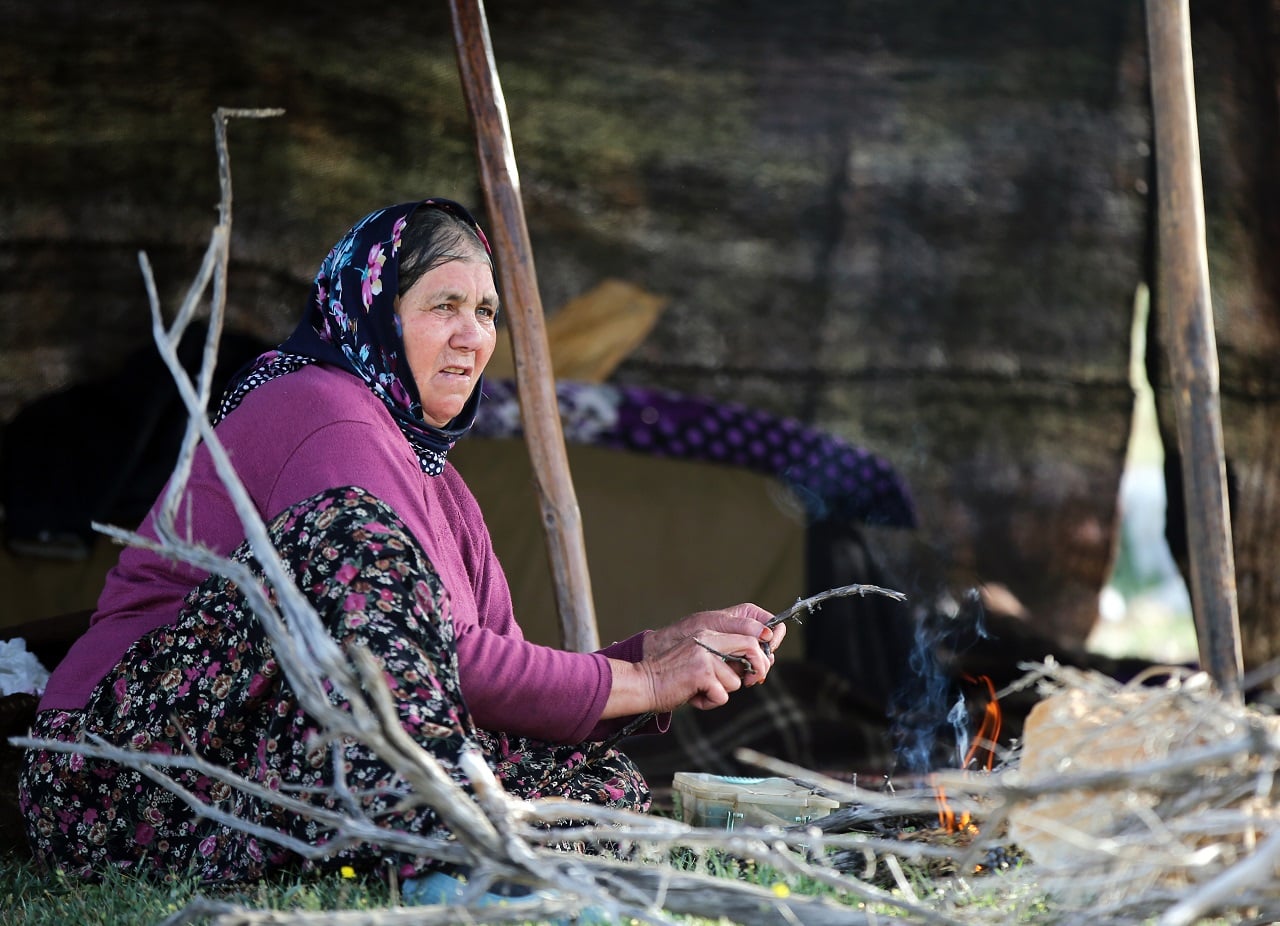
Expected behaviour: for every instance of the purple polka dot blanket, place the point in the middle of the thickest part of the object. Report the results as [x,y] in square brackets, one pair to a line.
[833,478]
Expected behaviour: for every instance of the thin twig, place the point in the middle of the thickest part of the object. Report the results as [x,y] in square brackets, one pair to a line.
[811,603]
[735,658]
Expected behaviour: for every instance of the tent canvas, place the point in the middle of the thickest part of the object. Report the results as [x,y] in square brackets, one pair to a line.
[664,537]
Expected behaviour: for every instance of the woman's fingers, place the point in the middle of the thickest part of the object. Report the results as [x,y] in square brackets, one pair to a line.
[771,638]
[742,653]
[713,654]
[745,618]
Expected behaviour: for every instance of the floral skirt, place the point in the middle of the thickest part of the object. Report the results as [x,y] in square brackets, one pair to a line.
[210,682]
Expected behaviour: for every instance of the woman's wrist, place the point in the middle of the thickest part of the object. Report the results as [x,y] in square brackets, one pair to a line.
[632,690]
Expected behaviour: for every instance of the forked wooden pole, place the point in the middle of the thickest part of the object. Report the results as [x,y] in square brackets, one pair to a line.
[522,305]
[1187,316]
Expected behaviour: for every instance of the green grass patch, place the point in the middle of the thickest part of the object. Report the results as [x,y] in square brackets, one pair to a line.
[34,898]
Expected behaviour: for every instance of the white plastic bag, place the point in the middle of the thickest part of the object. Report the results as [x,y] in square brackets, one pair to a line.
[20,671]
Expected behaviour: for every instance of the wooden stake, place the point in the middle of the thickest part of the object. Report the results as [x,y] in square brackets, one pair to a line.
[1187,315]
[535,382]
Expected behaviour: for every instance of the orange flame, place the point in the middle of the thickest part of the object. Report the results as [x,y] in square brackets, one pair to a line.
[988,734]
[947,818]
[984,743]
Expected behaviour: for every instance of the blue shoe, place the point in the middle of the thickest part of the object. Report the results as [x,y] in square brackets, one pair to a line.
[440,887]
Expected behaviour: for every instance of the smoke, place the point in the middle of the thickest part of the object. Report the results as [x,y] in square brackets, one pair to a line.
[930,724]
[958,717]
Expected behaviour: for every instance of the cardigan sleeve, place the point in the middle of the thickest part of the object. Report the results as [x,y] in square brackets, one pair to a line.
[520,687]
[511,684]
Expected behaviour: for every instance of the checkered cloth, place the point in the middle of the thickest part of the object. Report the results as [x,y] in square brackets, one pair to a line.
[803,713]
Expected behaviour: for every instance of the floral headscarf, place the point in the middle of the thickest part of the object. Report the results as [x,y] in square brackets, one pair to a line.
[351,322]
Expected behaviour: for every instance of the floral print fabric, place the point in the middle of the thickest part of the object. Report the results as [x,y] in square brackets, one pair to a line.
[211,680]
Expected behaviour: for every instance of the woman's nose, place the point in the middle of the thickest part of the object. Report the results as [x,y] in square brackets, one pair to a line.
[467,332]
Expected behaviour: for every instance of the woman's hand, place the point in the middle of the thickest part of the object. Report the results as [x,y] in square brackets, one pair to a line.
[747,619]
[685,663]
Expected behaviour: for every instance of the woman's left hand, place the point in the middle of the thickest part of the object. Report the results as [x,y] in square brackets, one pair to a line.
[746,619]
[698,660]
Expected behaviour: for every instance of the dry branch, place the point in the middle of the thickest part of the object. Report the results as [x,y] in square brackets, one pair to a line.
[813,602]
[225,914]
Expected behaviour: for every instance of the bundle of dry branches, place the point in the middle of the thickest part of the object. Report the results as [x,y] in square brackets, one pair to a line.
[1131,803]
[1142,799]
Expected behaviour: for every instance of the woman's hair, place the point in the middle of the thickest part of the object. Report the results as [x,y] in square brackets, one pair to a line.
[435,236]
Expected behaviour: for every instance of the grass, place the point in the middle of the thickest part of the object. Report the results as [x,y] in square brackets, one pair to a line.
[34,898]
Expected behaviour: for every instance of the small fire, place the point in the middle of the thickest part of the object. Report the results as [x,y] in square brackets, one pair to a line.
[980,754]
[947,818]
[988,730]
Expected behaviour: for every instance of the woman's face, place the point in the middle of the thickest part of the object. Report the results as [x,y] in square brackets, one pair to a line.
[448,324]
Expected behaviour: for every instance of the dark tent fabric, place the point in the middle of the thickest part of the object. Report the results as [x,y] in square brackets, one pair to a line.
[101,450]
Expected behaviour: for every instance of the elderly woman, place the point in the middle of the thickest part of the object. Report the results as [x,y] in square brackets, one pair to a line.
[341,437]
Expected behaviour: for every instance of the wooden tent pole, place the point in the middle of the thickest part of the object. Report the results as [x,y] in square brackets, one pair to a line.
[1187,315]
[522,304]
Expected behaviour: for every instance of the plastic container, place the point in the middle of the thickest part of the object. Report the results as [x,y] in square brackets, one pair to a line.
[726,802]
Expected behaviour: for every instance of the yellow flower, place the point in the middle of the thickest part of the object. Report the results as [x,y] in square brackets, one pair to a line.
[347,871]
[781,890]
